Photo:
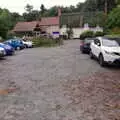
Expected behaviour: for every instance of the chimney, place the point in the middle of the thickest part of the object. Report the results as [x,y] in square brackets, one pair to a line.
[59,12]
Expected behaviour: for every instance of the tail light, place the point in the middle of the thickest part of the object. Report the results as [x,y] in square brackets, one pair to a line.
[81,43]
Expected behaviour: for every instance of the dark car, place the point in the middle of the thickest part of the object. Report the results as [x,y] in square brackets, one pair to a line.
[8,49]
[17,44]
[85,45]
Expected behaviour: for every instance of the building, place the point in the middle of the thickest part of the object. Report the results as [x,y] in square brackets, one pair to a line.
[46,26]
[77,31]
[55,26]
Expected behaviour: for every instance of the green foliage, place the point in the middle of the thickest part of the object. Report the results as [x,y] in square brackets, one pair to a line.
[29,8]
[114,19]
[87,34]
[45,42]
[43,9]
[7,21]
[115,31]
[33,15]
[98,33]
[53,11]
[70,33]
[99,5]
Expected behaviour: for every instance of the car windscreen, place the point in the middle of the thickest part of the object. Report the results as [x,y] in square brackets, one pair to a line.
[88,40]
[110,43]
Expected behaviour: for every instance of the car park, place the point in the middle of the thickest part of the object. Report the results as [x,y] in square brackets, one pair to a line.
[8,49]
[17,44]
[2,52]
[106,50]
[85,45]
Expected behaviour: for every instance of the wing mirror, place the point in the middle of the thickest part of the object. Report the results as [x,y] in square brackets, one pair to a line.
[98,44]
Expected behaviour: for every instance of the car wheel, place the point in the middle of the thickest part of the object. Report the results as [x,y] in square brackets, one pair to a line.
[18,48]
[101,60]
[26,46]
[91,55]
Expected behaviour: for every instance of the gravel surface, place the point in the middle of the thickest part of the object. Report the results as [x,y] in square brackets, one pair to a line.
[57,83]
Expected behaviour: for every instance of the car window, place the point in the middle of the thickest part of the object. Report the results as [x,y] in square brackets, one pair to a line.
[110,43]
[88,40]
[96,41]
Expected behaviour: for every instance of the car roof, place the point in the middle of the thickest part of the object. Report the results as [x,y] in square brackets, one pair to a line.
[89,38]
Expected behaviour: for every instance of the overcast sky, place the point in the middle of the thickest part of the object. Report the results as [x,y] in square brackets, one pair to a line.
[18,5]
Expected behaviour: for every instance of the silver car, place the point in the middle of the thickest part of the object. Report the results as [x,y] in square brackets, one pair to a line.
[2,52]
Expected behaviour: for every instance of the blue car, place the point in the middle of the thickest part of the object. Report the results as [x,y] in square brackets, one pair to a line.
[85,45]
[17,44]
[8,49]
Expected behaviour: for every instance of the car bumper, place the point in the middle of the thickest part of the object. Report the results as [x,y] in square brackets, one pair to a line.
[10,52]
[85,49]
[112,59]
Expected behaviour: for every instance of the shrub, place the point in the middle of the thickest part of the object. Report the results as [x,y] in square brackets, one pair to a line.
[70,33]
[115,30]
[45,42]
[87,34]
[98,33]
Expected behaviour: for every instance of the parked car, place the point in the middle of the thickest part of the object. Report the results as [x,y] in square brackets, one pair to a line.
[28,44]
[2,52]
[17,44]
[106,50]
[85,45]
[8,49]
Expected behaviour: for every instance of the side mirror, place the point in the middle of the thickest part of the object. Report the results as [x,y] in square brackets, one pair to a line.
[98,44]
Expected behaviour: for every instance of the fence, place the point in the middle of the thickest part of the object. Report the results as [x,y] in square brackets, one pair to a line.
[79,19]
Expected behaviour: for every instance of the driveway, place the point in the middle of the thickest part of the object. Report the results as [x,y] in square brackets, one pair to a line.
[34,82]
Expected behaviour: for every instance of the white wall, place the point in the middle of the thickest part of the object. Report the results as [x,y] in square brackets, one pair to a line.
[78,31]
[52,29]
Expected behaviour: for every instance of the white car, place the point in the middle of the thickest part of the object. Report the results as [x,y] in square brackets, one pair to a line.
[28,44]
[106,50]
[2,52]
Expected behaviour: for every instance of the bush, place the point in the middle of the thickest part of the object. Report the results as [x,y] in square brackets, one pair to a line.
[115,30]
[87,34]
[46,42]
[98,33]
[113,19]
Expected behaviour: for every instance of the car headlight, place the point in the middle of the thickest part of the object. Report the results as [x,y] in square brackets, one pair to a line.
[110,53]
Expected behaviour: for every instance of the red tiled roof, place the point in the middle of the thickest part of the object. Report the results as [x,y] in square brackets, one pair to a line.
[25,26]
[29,26]
[49,21]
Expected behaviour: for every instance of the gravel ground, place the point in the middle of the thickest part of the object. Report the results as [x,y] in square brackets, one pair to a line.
[58,83]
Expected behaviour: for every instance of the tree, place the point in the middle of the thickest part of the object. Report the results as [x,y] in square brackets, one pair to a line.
[53,11]
[33,15]
[99,5]
[28,8]
[114,18]
[70,32]
[42,8]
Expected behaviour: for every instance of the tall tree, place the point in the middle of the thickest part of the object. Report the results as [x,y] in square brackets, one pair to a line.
[99,5]
[42,8]
[114,18]
[29,8]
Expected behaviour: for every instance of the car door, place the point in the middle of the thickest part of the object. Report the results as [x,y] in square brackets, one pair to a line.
[97,47]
